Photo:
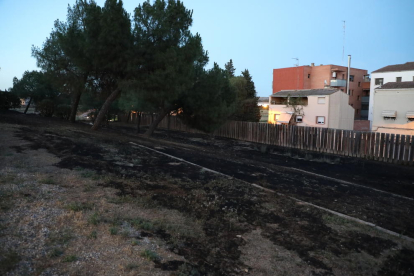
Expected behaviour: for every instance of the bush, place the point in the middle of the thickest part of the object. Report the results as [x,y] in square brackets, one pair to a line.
[9,100]
[63,111]
[46,107]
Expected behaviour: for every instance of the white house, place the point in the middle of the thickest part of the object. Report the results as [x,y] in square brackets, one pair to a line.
[390,73]
[393,110]
[327,108]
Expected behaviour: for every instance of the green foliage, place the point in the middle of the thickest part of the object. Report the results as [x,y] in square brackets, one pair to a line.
[94,219]
[230,68]
[9,100]
[113,230]
[46,107]
[70,259]
[79,206]
[93,234]
[247,108]
[34,84]
[150,255]
[210,102]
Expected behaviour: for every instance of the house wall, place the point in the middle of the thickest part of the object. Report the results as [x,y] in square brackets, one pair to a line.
[310,111]
[401,100]
[388,77]
[341,114]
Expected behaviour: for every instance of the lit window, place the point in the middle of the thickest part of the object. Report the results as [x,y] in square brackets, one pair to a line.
[321,100]
[299,119]
[277,116]
[320,120]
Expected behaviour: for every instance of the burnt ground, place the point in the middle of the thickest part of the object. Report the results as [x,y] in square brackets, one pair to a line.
[233,214]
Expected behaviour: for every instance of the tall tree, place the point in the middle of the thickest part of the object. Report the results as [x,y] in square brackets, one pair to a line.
[209,102]
[247,108]
[33,85]
[169,51]
[112,57]
[230,68]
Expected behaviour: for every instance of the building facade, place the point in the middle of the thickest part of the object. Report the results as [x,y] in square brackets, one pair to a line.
[391,73]
[393,109]
[324,76]
[326,108]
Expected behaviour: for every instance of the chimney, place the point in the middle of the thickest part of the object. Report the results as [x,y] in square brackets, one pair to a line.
[312,64]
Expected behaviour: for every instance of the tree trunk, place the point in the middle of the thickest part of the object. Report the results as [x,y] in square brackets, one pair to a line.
[105,108]
[138,121]
[75,105]
[168,124]
[157,120]
[27,107]
[129,115]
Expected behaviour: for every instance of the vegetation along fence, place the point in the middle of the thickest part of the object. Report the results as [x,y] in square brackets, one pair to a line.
[392,148]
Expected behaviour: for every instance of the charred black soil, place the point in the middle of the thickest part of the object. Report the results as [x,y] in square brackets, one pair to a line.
[229,208]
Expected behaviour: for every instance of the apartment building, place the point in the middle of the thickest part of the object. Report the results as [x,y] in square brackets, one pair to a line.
[326,76]
[391,73]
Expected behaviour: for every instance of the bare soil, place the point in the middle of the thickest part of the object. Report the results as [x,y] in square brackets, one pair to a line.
[128,210]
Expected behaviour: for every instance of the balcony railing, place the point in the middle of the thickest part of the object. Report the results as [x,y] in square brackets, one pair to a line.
[338,83]
[364,99]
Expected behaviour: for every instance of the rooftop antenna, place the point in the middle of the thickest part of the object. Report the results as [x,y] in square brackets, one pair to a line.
[297,61]
[297,72]
[343,45]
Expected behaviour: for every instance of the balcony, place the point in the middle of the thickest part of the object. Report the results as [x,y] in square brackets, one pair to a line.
[338,83]
[365,99]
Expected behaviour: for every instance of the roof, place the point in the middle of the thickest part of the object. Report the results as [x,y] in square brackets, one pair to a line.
[397,67]
[398,85]
[304,92]
[263,99]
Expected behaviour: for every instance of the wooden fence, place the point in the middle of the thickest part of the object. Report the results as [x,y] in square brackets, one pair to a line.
[385,147]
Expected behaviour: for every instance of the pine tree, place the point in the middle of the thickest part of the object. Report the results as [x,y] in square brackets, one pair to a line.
[230,68]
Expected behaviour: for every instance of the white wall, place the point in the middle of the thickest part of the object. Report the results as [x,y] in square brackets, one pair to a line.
[341,114]
[401,100]
[388,77]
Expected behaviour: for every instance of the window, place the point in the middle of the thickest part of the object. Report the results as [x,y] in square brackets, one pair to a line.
[320,120]
[358,98]
[299,119]
[379,81]
[352,92]
[308,76]
[398,79]
[343,76]
[359,84]
[321,100]
[277,116]
[356,111]
[351,78]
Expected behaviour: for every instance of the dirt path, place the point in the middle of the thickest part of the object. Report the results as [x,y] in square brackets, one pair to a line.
[76,202]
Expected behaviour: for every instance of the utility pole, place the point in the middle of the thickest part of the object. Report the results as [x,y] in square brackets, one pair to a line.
[343,46]
[349,70]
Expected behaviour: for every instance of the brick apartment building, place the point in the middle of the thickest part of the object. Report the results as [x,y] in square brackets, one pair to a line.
[326,76]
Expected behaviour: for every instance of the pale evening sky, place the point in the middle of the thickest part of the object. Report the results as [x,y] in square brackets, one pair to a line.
[258,35]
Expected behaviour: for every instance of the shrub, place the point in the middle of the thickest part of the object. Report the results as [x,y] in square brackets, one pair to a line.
[150,255]
[46,107]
